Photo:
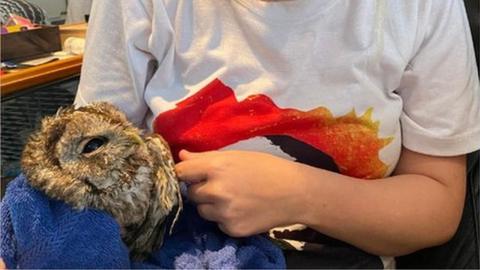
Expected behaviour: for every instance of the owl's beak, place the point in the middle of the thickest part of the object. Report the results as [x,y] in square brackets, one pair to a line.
[135,138]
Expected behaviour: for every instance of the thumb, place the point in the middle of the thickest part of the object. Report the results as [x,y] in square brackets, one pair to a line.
[186,155]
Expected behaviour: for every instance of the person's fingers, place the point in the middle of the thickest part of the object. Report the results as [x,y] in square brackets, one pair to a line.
[186,155]
[208,211]
[2,265]
[199,193]
[191,171]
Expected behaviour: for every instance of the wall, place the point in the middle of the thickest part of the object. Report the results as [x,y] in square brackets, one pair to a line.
[55,9]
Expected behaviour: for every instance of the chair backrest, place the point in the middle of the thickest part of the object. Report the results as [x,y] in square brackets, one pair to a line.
[463,250]
[473,12]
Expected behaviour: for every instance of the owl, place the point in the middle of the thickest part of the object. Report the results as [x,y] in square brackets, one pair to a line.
[93,157]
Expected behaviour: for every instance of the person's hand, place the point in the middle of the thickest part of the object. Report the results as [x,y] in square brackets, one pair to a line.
[244,192]
[2,265]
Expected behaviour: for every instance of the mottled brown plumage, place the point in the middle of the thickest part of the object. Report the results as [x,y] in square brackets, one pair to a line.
[93,157]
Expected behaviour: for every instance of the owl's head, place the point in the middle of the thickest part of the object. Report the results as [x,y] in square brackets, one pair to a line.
[81,153]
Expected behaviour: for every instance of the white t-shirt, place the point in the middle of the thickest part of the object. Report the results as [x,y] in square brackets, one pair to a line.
[344,82]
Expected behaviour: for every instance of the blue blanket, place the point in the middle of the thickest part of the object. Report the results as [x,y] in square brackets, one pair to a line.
[37,232]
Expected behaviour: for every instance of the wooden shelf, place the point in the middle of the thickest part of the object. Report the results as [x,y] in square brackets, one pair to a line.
[36,76]
[42,74]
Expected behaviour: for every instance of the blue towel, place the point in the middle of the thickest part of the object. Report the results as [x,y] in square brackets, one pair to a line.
[38,232]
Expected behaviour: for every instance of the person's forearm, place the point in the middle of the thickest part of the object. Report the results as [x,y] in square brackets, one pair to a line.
[391,216]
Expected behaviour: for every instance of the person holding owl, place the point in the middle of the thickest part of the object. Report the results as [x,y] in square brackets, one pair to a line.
[338,127]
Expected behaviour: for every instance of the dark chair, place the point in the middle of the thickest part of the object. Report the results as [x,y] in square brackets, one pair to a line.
[463,250]
[20,115]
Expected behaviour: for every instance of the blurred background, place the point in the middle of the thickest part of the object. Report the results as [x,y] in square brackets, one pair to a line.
[64,11]
[41,66]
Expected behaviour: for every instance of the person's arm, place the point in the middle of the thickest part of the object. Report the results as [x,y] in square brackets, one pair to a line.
[420,206]
[116,60]
[249,193]
[126,41]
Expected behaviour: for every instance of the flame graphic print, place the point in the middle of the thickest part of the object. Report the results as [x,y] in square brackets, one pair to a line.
[213,118]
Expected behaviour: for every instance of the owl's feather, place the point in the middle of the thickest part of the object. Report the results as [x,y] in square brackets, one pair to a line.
[93,157]
[153,227]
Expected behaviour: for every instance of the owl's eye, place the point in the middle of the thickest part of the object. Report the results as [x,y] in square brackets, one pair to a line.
[93,144]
